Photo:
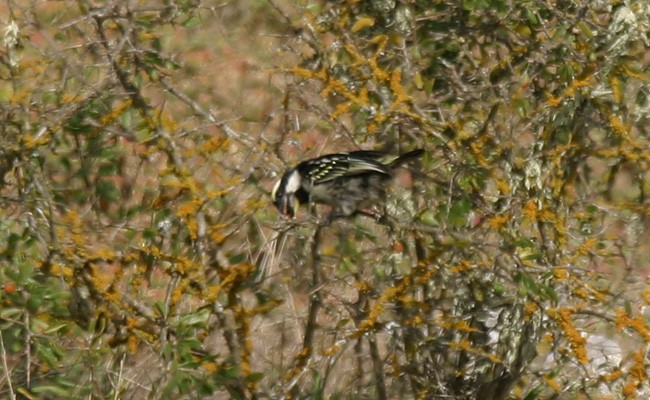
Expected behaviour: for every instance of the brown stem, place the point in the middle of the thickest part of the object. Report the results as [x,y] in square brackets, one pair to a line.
[377,367]
[315,303]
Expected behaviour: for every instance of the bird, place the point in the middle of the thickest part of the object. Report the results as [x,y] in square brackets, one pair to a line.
[349,182]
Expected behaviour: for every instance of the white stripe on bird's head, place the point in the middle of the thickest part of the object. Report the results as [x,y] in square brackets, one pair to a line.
[293,182]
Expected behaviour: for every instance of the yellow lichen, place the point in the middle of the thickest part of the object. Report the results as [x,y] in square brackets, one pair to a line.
[563,317]
[362,23]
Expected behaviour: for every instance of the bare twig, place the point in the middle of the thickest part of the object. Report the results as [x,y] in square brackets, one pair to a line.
[377,367]
[28,349]
[3,353]
[315,303]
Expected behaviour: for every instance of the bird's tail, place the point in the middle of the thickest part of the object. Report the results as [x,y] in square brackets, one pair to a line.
[406,157]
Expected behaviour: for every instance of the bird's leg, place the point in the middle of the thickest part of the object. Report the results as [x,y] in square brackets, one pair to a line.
[380,218]
[333,215]
[369,212]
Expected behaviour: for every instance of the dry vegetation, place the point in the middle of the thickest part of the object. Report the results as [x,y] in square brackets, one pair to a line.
[140,256]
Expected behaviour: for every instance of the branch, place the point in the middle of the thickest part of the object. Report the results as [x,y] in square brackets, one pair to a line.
[3,352]
[315,303]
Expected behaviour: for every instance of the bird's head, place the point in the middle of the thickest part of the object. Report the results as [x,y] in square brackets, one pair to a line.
[284,193]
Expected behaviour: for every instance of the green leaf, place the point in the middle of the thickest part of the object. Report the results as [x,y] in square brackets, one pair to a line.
[524,243]
[48,354]
[25,274]
[149,234]
[185,348]
[160,306]
[526,284]
[34,303]
[549,292]
[471,5]
[460,211]
[56,328]
[343,322]
[226,375]
[237,258]
[25,393]
[348,265]
[255,377]
[499,288]
[429,218]
[533,256]
[628,307]
[12,244]
[192,21]
[531,16]
[534,394]
[107,170]
[199,318]
[57,391]
[9,313]
[106,190]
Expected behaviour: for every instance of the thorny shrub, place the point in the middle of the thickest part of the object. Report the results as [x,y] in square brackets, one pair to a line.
[141,257]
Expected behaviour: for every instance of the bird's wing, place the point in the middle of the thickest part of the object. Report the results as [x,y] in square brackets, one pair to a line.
[389,160]
[327,168]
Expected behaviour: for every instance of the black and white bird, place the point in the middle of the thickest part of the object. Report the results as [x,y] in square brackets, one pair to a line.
[348,182]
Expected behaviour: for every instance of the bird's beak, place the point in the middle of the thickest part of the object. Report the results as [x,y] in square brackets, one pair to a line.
[290,205]
[285,205]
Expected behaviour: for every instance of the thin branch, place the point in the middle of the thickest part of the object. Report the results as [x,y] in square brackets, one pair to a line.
[377,367]
[28,349]
[208,115]
[3,352]
[315,303]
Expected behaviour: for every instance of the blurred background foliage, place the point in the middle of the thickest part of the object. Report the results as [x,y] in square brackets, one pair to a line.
[140,256]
